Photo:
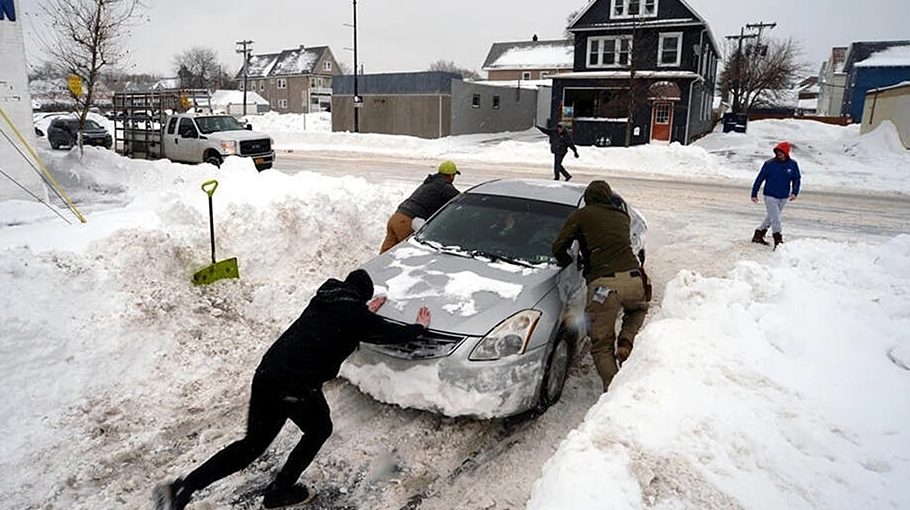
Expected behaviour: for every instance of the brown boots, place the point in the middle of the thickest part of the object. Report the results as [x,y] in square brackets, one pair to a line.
[759,236]
[778,239]
[623,350]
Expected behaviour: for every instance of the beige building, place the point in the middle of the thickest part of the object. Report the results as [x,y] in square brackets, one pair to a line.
[293,81]
[889,104]
[831,83]
[528,60]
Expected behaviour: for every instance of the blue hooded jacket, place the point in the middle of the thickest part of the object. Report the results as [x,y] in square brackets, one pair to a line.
[778,176]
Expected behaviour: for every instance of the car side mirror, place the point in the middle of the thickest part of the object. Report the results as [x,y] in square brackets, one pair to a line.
[249,127]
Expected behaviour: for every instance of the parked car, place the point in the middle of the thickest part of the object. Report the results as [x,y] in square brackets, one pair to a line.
[64,132]
[502,336]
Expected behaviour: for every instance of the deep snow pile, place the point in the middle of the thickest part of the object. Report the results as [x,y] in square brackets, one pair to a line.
[831,157]
[277,125]
[780,386]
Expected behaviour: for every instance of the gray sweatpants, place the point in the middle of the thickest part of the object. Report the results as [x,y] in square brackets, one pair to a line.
[775,206]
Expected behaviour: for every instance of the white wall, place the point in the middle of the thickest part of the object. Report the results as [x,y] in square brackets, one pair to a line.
[17,103]
[891,105]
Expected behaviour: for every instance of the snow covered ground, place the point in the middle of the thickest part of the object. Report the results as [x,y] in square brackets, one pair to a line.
[830,157]
[778,384]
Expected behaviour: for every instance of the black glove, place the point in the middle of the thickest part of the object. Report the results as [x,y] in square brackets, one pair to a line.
[576,154]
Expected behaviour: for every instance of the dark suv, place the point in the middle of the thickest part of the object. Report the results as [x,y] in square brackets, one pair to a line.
[65,133]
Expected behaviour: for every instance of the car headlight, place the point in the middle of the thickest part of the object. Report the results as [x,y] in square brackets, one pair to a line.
[228,148]
[509,338]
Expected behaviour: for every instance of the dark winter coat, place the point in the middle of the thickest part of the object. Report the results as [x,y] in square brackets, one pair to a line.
[560,143]
[602,230]
[781,178]
[337,319]
[428,197]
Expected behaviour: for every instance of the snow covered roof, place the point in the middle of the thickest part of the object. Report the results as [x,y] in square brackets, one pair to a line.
[900,85]
[625,74]
[298,61]
[511,84]
[226,97]
[895,56]
[557,54]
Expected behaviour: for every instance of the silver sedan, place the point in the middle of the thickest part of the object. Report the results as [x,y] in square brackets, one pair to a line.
[506,318]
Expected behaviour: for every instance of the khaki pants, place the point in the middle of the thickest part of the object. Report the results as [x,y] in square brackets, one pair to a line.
[396,230]
[606,297]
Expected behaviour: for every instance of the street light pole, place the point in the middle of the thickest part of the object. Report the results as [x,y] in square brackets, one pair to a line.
[356,92]
[245,47]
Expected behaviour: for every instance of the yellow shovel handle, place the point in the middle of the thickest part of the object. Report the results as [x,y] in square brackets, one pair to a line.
[213,184]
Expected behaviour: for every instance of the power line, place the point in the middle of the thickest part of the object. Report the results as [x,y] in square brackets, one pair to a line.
[43,178]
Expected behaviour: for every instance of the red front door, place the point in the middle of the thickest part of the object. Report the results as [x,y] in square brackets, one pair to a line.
[661,120]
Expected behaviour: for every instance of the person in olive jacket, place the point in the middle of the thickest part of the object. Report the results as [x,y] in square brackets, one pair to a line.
[560,143]
[288,385]
[437,189]
[616,281]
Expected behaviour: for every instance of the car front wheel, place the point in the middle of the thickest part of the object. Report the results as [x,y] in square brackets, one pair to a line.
[556,373]
[213,159]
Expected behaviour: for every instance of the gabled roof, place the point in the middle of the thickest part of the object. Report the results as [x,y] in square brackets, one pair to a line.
[298,61]
[558,54]
[650,22]
[862,51]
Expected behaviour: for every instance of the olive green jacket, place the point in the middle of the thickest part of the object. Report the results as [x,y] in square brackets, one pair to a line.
[602,230]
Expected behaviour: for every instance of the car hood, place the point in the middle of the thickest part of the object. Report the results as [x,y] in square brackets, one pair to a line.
[239,134]
[466,296]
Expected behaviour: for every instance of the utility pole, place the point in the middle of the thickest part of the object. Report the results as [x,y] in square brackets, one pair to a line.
[357,102]
[739,57]
[245,47]
[760,27]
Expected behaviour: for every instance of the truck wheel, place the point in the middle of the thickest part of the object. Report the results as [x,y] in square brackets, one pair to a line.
[213,159]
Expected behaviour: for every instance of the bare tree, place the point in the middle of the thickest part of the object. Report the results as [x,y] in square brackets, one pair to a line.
[86,37]
[765,70]
[449,66]
[199,68]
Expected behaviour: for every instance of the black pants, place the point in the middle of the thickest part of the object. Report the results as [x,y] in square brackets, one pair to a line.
[558,168]
[270,408]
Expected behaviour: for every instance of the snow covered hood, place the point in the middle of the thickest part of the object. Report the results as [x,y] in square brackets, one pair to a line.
[467,296]
[239,134]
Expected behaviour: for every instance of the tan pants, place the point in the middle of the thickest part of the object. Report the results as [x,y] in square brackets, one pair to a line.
[396,230]
[606,297]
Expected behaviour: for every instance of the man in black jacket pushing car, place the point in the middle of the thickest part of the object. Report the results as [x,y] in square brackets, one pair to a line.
[288,385]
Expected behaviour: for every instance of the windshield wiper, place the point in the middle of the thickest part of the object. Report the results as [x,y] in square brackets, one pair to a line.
[495,257]
[444,249]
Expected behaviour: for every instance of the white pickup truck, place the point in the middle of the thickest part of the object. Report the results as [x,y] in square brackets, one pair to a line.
[209,138]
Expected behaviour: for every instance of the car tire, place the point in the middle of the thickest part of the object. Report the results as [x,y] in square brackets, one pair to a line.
[641,256]
[213,159]
[55,145]
[556,373]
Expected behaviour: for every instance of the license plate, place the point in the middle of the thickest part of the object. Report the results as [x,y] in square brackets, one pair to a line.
[259,161]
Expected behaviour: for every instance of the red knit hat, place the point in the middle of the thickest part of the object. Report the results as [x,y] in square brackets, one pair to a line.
[783,147]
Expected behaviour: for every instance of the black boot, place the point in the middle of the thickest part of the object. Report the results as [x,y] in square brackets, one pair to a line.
[778,239]
[172,496]
[277,496]
[759,236]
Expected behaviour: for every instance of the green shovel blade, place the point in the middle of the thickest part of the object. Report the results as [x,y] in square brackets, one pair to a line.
[218,271]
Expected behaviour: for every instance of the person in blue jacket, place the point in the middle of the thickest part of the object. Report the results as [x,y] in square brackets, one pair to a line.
[782,179]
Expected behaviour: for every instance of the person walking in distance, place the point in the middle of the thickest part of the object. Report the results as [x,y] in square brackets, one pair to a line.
[288,385]
[560,143]
[616,280]
[436,190]
[781,178]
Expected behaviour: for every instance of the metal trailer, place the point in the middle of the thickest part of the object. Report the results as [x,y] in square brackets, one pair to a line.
[139,118]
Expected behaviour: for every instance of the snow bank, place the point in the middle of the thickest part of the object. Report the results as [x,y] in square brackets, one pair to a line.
[779,386]
[104,338]
[829,156]
[276,124]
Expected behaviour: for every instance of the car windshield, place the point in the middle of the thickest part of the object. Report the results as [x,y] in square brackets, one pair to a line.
[90,124]
[220,123]
[495,227]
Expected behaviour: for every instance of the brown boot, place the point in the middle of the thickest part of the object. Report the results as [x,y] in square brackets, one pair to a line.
[778,239]
[759,236]
[623,350]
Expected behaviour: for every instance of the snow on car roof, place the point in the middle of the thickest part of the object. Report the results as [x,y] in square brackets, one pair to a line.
[533,189]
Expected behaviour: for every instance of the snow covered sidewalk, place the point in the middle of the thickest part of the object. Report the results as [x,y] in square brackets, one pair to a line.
[780,386]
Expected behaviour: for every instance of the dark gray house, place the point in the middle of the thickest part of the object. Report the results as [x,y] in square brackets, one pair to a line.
[430,105]
[649,62]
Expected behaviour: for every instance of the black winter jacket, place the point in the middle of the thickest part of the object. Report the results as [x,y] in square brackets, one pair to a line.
[559,143]
[331,327]
[428,197]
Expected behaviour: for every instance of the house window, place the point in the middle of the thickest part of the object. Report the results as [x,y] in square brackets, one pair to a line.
[313,82]
[609,51]
[327,65]
[240,86]
[526,75]
[662,113]
[598,103]
[669,49]
[544,74]
[282,83]
[262,85]
[634,8]
[283,104]
[475,101]
[496,102]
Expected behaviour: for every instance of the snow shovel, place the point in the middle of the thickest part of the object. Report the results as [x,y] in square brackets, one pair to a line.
[218,270]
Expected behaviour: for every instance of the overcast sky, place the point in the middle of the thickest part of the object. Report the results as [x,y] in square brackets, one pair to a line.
[408,35]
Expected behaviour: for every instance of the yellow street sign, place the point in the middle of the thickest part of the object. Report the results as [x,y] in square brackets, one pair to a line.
[75,83]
